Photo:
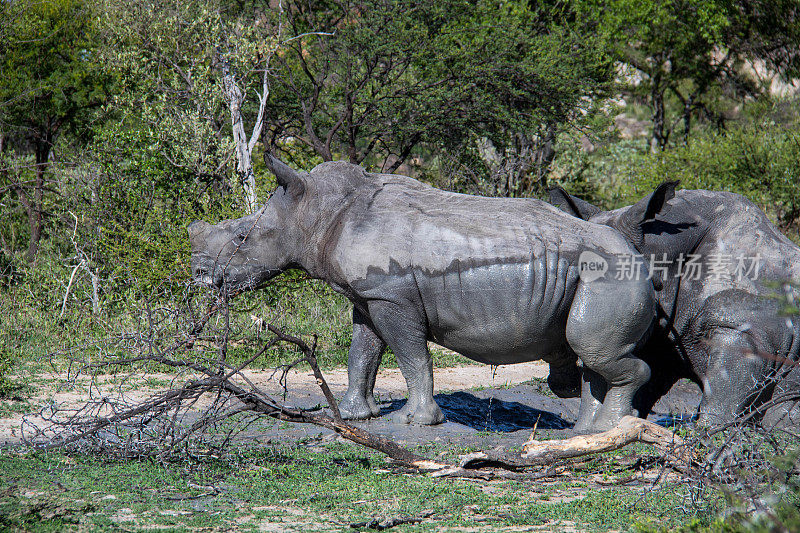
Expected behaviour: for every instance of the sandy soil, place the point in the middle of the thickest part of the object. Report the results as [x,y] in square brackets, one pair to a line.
[303,389]
[482,403]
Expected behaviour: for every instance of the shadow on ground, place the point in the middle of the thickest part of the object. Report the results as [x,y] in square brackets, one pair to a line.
[489,414]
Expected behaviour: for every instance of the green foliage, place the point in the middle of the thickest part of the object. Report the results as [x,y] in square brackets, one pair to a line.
[163,157]
[50,84]
[758,160]
[757,157]
[169,109]
[695,60]
[404,74]
[49,67]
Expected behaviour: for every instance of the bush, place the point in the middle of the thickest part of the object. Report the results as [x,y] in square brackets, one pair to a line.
[757,157]
[758,160]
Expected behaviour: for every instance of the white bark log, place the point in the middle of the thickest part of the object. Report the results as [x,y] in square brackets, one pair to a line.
[630,429]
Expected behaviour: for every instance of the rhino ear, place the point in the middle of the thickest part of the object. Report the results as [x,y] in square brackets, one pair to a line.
[572,204]
[646,210]
[286,176]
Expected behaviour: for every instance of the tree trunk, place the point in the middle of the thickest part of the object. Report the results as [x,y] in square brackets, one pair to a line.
[95,291]
[687,118]
[34,207]
[545,154]
[658,142]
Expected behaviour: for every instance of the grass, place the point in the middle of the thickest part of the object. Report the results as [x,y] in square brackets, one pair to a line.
[295,488]
[9,408]
[34,338]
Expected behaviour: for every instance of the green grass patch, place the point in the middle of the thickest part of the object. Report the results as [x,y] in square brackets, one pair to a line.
[292,487]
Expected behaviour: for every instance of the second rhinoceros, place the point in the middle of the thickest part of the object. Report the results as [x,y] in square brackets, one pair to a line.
[496,280]
[718,323]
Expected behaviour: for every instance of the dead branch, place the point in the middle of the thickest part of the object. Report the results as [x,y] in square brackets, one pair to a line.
[631,429]
[311,358]
[167,420]
[387,523]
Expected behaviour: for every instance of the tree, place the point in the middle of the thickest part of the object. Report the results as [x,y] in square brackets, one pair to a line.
[689,55]
[397,75]
[185,67]
[49,80]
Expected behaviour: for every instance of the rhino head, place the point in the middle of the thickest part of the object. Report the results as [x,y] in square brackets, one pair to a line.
[244,253]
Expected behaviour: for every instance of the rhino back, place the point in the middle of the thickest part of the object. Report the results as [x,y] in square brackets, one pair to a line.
[733,228]
[429,230]
[719,226]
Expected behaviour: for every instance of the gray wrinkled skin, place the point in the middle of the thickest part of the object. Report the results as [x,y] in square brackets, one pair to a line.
[493,279]
[722,330]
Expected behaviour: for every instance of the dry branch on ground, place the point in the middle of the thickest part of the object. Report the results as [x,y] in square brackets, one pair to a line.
[630,430]
[159,424]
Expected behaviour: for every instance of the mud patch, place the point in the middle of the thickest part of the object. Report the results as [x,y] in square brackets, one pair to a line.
[489,414]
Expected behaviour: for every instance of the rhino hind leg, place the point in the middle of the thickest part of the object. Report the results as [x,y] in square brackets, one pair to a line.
[607,322]
[405,333]
[593,392]
[363,360]
[564,379]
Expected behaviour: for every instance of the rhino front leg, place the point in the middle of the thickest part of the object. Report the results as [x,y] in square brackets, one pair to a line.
[363,360]
[405,333]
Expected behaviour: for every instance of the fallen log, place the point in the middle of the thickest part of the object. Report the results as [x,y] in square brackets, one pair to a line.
[630,430]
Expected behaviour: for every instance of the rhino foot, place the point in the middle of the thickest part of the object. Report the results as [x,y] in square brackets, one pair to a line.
[603,422]
[358,407]
[584,425]
[427,414]
[609,418]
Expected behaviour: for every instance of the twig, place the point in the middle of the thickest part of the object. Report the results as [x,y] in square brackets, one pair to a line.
[311,358]
[387,523]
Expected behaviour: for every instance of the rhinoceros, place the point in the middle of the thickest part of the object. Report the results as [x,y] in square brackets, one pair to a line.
[717,322]
[496,280]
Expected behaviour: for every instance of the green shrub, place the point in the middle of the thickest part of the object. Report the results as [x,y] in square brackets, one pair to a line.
[758,157]
[760,161]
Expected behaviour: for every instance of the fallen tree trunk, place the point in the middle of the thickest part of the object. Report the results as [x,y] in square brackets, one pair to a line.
[630,430]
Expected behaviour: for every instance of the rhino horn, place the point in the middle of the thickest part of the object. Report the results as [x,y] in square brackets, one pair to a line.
[286,176]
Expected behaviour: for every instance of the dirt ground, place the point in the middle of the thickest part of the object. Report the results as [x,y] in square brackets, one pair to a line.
[484,405]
